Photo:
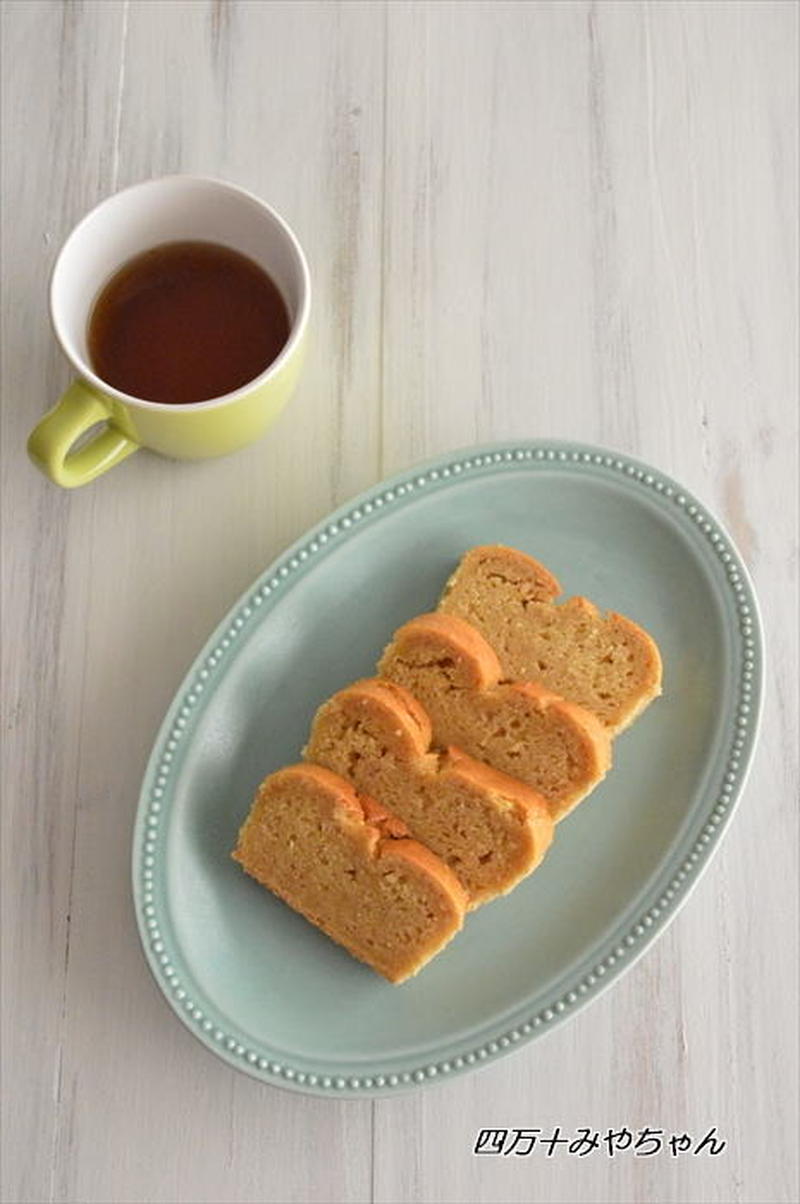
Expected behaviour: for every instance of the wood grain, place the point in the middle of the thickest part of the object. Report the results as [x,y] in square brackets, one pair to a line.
[570,219]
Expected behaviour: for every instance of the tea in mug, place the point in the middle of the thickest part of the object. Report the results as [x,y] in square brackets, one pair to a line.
[185,322]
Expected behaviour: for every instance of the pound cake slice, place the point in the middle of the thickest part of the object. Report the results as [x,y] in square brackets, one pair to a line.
[490,829]
[603,662]
[519,728]
[348,866]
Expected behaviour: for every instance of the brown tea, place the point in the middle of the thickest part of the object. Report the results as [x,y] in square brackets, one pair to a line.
[186,321]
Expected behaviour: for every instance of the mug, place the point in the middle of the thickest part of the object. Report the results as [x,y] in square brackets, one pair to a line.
[169,209]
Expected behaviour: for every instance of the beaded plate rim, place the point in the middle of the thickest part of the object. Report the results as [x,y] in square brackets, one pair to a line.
[618,955]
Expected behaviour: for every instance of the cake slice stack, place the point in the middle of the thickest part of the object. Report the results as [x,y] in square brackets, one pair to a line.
[435,786]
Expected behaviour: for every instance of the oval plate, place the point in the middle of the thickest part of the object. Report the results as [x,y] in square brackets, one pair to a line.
[266,991]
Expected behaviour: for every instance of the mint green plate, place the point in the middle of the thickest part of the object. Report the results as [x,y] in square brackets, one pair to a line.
[263,989]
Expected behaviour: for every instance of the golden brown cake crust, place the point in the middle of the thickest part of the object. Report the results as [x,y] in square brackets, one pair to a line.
[535,582]
[490,828]
[476,660]
[405,726]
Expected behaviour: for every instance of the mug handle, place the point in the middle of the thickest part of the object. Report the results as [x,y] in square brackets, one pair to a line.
[50,441]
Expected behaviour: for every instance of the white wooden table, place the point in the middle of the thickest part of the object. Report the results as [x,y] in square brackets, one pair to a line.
[564,219]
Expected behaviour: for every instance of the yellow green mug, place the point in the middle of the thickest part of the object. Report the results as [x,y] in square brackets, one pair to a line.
[64,445]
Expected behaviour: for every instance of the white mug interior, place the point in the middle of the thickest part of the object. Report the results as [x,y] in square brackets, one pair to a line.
[170,209]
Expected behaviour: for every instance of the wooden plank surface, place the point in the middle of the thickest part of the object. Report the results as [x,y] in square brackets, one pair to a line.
[572,220]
